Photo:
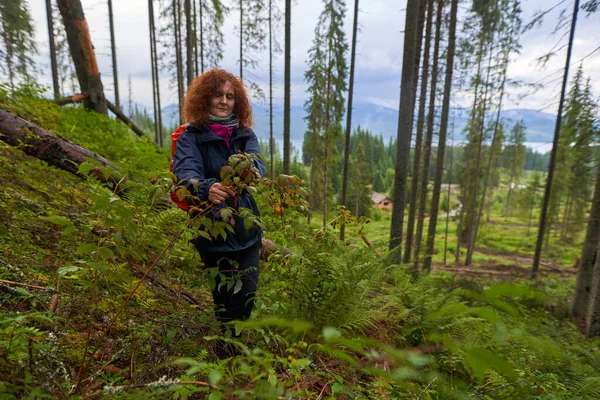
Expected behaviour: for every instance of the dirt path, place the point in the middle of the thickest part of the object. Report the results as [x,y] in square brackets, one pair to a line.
[519,269]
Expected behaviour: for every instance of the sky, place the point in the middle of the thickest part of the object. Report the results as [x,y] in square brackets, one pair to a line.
[379,51]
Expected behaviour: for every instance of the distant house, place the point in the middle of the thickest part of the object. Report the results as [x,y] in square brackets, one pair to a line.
[381,201]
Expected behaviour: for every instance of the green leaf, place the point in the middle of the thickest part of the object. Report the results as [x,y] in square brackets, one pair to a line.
[61,221]
[481,360]
[214,377]
[215,396]
[238,286]
[330,333]
[85,248]
[337,388]
[105,253]
[65,270]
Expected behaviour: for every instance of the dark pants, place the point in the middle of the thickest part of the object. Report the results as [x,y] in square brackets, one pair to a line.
[230,306]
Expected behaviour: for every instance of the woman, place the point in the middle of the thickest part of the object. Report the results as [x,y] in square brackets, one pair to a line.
[220,119]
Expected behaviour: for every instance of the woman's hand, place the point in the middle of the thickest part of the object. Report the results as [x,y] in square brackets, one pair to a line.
[218,193]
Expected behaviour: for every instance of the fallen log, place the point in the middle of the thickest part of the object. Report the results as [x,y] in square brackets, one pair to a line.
[124,119]
[76,98]
[53,149]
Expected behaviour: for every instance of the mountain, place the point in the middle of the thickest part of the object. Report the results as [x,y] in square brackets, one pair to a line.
[383,120]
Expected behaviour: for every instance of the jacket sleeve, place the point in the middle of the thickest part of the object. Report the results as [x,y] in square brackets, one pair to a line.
[188,167]
[253,147]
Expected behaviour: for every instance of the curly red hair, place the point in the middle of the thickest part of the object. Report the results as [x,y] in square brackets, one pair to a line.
[201,91]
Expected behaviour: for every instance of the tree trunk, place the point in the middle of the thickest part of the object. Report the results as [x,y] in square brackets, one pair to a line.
[583,288]
[592,327]
[178,55]
[155,78]
[424,170]
[51,41]
[201,10]
[271,140]
[53,149]
[82,52]
[473,202]
[349,116]
[287,87]
[489,166]
[8,56]
[548,189]
[404,128]
[113,54]
[414,184]
[439,168]
[189,48]
[241,40]
[195,34]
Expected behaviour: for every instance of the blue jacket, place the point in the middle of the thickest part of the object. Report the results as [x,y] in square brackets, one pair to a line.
[198,169]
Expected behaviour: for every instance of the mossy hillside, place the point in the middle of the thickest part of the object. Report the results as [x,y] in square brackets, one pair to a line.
[369,330]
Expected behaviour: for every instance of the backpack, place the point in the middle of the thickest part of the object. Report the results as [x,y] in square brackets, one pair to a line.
[182,203]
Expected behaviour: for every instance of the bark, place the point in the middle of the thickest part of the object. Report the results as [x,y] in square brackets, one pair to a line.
[124,119]
[404,128]
[114,54]
[424,173]
[349,117]
[155,81]
[286,88]
[241,41]
[200,11]
[271,140]
[195,33]
[414,184]
[548,189]
[51,41]
[178,55]
[53,149]
[592,327]
[473,202]
[583,287]
[76,98]
[491,158]
[82,52]
[188,42]
[437,184]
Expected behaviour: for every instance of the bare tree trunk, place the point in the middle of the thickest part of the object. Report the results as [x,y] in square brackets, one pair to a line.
[84,57]
[51,41]
[424,170]
[178,55]
[155,78]
[491,158]
[548,189]
[287,87]
[271,140]
[189,48]
[349,116]
[582,302]
[404,128]
[241,40]
[201,9]
[414,184]
[473,203]
[195,34]
[114,54]
[439,171]
[8,56]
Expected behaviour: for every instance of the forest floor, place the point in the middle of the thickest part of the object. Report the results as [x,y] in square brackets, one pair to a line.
[90,309]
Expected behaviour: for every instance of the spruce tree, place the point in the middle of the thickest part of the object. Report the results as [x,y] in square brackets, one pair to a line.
[326,77]
[515,161]
[17,42]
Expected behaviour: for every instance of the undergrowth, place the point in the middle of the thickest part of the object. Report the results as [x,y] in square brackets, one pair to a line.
[102,295]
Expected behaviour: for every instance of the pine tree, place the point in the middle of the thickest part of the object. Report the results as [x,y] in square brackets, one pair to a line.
[548,189]
[326,78]
[404,127]
[287,87]
[84,57]
[515,161]
[253,40]
[52,45]
[349,115]
[113,50]
[437,184]
[16,41]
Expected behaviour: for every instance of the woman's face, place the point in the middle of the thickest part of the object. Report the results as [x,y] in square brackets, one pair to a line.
[223,101]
